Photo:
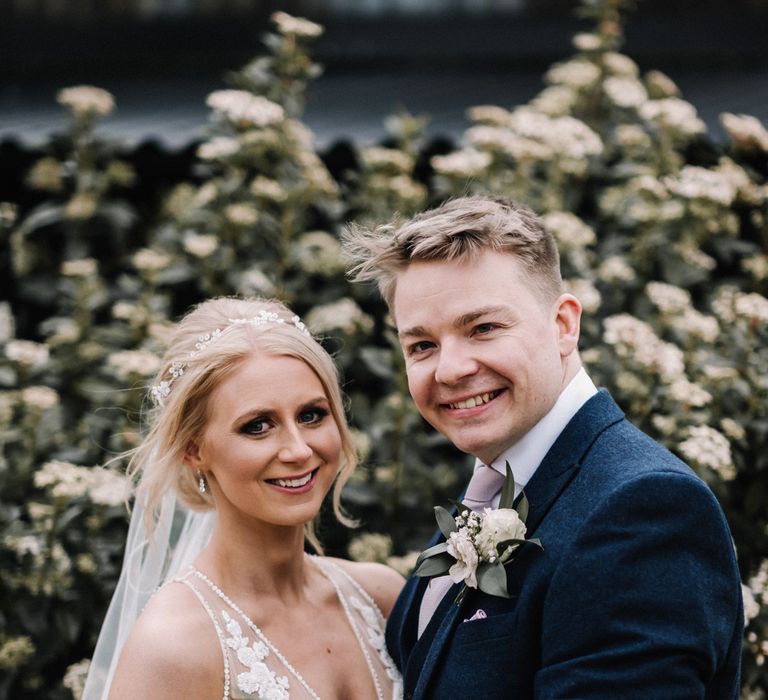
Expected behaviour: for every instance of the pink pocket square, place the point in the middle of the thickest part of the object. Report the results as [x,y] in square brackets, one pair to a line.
[479,615]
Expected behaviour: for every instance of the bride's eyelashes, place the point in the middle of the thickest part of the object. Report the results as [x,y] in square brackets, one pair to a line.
[256,426]
[260,424]
[313,415]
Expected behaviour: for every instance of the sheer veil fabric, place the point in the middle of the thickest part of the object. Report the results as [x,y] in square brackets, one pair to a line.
[179,537]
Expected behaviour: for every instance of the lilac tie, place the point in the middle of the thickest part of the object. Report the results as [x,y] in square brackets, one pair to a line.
[485,483]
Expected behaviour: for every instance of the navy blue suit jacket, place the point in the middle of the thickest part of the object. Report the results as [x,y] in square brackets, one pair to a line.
[636,593]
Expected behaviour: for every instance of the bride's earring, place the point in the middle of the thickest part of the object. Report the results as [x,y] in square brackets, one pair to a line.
[201,485]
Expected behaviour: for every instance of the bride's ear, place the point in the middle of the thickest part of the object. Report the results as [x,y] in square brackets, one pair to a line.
[192,456]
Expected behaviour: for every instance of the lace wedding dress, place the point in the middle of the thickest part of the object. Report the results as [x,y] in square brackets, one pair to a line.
[255,669]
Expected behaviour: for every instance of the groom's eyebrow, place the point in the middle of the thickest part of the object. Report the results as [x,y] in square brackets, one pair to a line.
[459,322]
[411,332]
[466,319]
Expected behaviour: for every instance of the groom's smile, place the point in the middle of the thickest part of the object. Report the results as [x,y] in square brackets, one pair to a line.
[483,350]
[472,401]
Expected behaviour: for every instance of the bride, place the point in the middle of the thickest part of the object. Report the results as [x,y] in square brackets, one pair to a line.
[247,439]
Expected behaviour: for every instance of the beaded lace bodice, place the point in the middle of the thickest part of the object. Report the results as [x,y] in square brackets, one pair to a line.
[254,669]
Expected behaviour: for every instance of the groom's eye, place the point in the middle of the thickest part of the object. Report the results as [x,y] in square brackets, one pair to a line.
[484,328]
[421,346]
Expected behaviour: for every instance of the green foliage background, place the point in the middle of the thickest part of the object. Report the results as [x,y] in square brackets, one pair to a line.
[663,233]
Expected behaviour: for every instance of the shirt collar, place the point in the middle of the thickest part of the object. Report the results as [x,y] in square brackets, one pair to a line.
[527,453]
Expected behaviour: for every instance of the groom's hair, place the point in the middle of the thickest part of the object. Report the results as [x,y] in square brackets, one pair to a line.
[457,230]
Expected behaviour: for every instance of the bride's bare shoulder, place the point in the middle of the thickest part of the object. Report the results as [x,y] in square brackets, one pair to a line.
[380,581]
[172,650]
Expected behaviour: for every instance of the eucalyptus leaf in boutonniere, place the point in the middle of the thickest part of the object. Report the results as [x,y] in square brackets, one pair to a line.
[479,545]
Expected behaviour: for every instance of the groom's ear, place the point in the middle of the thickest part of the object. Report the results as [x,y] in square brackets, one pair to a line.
[568,319]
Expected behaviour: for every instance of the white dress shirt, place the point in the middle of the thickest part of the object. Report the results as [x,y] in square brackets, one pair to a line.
[526,454]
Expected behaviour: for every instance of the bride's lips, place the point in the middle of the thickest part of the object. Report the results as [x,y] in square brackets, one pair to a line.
[295,484]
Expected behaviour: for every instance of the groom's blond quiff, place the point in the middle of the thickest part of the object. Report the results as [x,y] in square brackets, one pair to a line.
[459,229]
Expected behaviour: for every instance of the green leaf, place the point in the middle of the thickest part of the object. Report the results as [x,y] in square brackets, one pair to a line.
[501,546]
[508,490]
[435,565]
[445,521]
[522,508]
[435,549]
[492,579]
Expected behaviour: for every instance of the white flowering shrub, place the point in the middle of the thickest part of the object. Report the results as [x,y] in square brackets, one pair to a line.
[662,231]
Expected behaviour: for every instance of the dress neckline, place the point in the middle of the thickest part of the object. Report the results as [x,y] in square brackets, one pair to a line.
[325,567]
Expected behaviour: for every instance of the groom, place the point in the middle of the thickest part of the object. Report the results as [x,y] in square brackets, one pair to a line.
[636,592]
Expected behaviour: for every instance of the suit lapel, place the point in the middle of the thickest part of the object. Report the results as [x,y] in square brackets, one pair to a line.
[560,464]
[430,645]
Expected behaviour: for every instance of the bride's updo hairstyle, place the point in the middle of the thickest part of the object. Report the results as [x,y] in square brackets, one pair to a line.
[208,344]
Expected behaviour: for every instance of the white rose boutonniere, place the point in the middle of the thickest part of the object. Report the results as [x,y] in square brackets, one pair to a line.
[478,545]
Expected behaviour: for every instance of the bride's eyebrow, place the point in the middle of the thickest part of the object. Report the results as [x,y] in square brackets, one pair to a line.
[268,413]
[253,414]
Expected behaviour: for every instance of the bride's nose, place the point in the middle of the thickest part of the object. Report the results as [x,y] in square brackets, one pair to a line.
[294,447]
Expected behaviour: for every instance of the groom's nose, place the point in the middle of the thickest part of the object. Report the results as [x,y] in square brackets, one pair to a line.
[455,362]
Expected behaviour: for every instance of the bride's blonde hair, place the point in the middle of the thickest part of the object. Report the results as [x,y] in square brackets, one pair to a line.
[208,344]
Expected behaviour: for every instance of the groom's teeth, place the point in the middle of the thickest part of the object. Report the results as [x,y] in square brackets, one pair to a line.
[294,483]
[474,401]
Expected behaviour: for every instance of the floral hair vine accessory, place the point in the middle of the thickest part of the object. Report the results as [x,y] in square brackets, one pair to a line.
[161,390]
[478,545]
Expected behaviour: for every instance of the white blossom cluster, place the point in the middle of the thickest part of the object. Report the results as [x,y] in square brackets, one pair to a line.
[241,214]
[267,188]
[708,447]
[464,163]
[74,677]
[615,268]
[674,301]
[86,100]
[243,108]
[219,147]
[344,315]
[586,292]
[149,260]
[297,26]
[318,252]
[668,298]
[694,182]
[129,364]
[84,267]
[578,73]
[674,114]
[15,651]
[571,232]
[566,136]
[745,131]
[39,398]
[27,353]
[636,340]
[731,304]
[390,159]
[200,245]
[68,481]
[625,92]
